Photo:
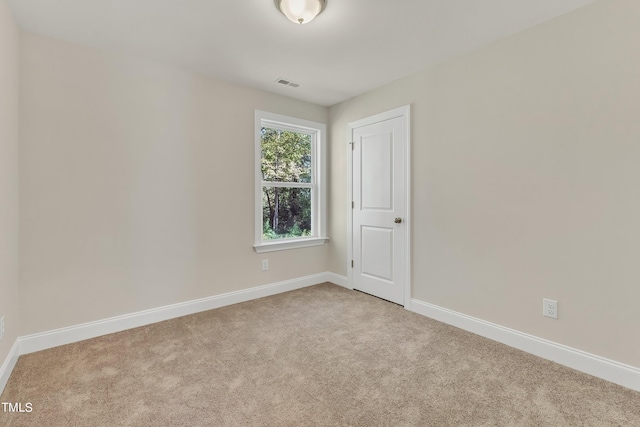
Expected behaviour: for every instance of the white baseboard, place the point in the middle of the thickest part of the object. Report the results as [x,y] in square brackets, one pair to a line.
[610,370]
[57,337]
[337,279]
[625,375]
[8,365]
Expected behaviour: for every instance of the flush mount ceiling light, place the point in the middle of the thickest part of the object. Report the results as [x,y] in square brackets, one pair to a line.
[301,11]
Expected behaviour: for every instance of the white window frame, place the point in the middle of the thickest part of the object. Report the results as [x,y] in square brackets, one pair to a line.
[318,133]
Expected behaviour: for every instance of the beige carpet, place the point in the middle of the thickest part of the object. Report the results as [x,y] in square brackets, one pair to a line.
[316,356]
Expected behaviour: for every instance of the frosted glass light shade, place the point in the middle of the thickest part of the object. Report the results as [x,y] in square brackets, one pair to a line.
[301,11]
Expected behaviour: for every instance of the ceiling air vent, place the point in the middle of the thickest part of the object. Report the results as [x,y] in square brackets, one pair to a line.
[287,83]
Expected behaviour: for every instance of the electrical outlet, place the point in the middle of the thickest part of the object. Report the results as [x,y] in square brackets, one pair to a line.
[550,308]
[1,327]
[265,265]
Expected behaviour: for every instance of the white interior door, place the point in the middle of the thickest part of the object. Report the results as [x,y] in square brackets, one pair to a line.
[379,208]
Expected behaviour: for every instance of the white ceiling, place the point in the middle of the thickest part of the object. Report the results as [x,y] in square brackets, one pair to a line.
[353,47]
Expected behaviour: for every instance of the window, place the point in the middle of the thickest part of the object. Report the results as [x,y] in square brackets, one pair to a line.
[290,168]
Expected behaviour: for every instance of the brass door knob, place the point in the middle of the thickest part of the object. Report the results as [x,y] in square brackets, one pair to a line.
[398,220]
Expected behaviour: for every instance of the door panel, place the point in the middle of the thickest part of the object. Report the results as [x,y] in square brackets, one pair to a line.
[379,198]
[377,165]
[377,252]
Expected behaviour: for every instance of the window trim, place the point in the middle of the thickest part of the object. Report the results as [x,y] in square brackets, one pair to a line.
[319,170]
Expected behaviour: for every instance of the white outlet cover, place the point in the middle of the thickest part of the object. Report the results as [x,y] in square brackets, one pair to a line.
[550,308]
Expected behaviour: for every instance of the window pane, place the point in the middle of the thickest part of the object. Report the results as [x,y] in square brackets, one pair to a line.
[286,212]
[286,155]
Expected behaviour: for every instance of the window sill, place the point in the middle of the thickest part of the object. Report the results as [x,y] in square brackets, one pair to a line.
[283,245]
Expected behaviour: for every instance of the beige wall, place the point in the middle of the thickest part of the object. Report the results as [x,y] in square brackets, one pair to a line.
[137,186]
[9,44]
[526,175]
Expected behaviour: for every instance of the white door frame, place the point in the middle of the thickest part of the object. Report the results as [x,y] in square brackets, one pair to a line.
[405,113]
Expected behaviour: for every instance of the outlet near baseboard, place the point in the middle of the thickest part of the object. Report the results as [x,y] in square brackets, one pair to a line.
[550,308]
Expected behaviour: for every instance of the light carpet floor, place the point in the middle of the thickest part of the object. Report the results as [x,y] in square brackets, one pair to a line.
[319,356]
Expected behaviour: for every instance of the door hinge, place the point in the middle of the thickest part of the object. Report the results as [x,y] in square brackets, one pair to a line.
[353,144]
[353,205]
[351,263]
